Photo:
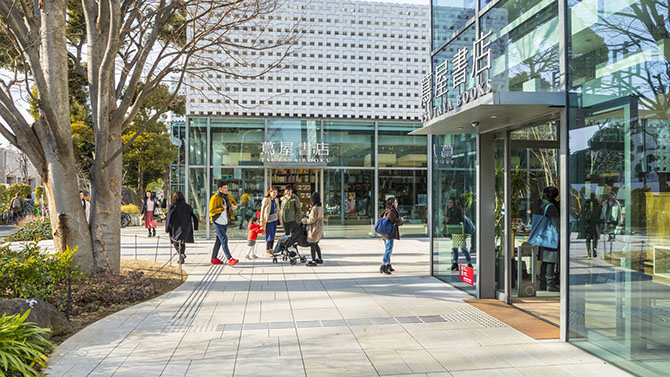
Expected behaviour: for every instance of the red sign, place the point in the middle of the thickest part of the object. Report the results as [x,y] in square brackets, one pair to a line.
[467,274]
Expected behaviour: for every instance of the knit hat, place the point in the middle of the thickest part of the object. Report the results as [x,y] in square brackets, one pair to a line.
[316,198]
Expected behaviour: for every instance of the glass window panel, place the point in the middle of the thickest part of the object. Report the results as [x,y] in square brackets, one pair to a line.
[398,149]
[350,143]
[293,131]
[348,202]
[463,41]
[449,16]
[454,176]
[197,141]
[619,127]
[524,45]
[236,142]
[409,187]
[247,189]
[197,185]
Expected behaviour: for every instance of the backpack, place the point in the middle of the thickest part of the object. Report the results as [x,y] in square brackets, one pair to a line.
[16,203]
[385,227]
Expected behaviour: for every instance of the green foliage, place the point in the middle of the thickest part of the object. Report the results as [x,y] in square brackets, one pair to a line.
[40,193]
[31,272]
[130,209]
[21,188]
[23,349]
[37,230]
[519,186]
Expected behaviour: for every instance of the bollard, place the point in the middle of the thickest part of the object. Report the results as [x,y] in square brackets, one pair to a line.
[158,239]
[136,247]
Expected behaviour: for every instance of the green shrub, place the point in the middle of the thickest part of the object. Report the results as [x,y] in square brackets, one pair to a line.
[34,231]
[31,272]
[130,209]
[23,349]
[21,188]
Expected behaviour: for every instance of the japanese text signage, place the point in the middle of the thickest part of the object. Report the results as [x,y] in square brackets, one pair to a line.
[467,274]
[445,155]
[435,89]
[288,151]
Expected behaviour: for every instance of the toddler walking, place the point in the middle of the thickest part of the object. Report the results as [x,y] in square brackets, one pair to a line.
[254,230]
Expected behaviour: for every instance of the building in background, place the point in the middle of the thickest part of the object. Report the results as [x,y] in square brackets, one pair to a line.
[526,94]
[16,168]
[333,118]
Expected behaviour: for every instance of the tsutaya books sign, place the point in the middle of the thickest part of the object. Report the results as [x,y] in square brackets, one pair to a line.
[290,152]
[435,89]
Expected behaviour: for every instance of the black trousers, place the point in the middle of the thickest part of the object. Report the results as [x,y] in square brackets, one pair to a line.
[315,250]
[548,276]
[180,246]
[290,227]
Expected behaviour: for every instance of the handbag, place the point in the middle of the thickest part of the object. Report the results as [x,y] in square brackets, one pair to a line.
[154,223]
[385,227]
[542,232]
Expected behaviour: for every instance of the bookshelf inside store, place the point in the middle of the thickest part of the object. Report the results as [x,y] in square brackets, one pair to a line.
[302,180]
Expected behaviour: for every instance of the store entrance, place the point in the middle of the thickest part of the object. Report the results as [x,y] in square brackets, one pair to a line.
[527,161]
[304,182]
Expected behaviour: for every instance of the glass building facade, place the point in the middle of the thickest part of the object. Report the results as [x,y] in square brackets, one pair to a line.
[366,162]
[603,70]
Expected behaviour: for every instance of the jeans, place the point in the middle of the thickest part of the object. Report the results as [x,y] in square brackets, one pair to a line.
[388,243]
[221,240]
[454,255]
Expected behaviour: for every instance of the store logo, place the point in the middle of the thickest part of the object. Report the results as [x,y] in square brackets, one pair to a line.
[445,156]
[481,66]
[290,152]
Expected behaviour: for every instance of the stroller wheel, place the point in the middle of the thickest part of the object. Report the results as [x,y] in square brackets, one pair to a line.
[274,260]
[293,261]
[303,259]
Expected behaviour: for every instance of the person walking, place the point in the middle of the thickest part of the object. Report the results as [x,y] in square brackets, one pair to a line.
[85,204]
[16,205]
[254,230]
[149,213]
[180,224]
[219,215]
[314,224]
[611,215]
[548,256]
[456,218]
[290,210]
[270,218]
[391,211]
[590,221]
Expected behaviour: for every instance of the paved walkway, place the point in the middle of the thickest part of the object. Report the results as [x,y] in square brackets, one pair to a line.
[341,318]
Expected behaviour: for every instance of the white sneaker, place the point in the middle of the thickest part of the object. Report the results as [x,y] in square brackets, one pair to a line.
[255,256]
[247,257]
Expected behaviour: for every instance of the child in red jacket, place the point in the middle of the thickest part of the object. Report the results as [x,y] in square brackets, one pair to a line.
[254,230]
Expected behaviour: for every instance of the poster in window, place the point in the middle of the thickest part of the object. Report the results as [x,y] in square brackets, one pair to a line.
[351,202]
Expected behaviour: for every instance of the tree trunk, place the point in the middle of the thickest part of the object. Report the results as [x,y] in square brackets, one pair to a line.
[140,180]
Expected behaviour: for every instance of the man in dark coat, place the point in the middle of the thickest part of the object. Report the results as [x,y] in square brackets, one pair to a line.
[178,224]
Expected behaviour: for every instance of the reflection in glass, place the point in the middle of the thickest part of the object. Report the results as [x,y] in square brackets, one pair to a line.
[454,176]
[350,143]
[197,141]
[348,202]
[449,16]
[197,192]
[524,45]
[236,142]
[619,158]
[398,149]
[409,187]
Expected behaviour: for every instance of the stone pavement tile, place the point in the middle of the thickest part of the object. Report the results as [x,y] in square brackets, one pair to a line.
[507,372]
[147,368]
[419,361]
[468,358]
[569,351]
[225,347]
[310,314]
[288,346]
[439,374]
[447,338]
[386,362]
[600,369]
[269,366]
[211,367]
[384,337]
[176,369]
[257,344]
[544,371]
[506,335]
[327,340]
[338,364]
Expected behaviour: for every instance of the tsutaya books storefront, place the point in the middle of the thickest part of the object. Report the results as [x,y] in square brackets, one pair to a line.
[355,165]
[526,94]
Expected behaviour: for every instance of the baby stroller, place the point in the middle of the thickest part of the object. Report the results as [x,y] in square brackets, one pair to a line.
[287,247]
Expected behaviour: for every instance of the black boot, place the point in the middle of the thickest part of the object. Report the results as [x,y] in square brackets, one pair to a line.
[454,267]
[384,269]
[390,267]
[154,231]
[149,232]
